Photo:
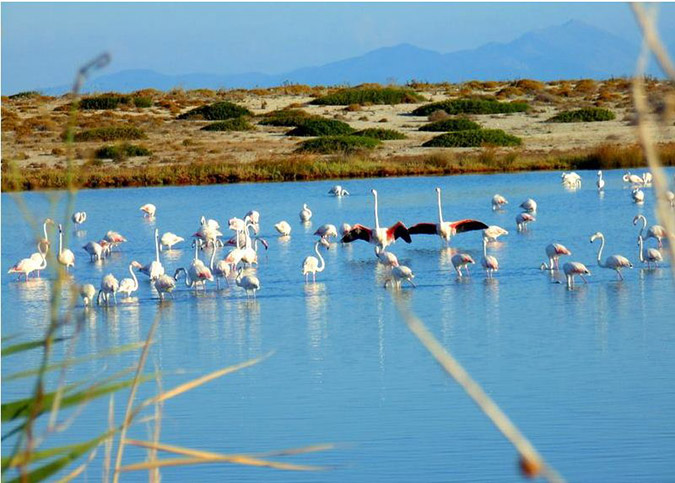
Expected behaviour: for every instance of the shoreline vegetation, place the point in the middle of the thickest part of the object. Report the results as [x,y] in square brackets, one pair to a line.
[313,168]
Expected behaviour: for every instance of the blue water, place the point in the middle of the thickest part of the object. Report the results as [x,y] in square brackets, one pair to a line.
[587,374]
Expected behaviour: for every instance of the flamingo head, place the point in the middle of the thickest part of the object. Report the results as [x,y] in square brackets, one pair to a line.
[438,190]
[636,219]
[595,236]
[49,221]
[374,191]
[136,265]
[599,173]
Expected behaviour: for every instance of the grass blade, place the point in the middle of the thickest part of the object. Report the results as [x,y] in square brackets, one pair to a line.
[24,346]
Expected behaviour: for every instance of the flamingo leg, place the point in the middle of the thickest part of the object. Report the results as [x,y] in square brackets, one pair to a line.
[619,273]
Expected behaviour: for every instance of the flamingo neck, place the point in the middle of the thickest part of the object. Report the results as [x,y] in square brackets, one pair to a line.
[196,252]
[377,220]
[484,248]
[156,246]
[644,223]
[44,230]
[323,262]
[60,242]
[213,257]
[642,258]
[133,276]
[440,209]
[602,246]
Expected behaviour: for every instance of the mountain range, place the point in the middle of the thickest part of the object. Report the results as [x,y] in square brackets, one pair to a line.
[568,51]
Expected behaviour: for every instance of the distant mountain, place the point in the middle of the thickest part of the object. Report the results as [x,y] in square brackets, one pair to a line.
[568,51]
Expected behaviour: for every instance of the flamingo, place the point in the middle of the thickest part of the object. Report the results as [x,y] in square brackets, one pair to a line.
[460,260]
[164,284]
[209,223]
[573,180]
[670,198]
[44,242]
[344,229]
[554,251]
[222,269]
[326,231]
[498,202]
[305,214]
[529,205]
[338,191]
[647,178]
[648,255]
[129,285]
[196,274]
[575,268]
[638,195]
[109,286]
[65,257]
[312,265]
[492,232]
[613,262]
[249,283]
[114,239]
[40,258]
[148,210]
[522,219]
[488,262]
[445,229]
[208,232]
[254,217]
[96,250]
[654,231]
[383,237]
[386,258]
[600,183]
[632,178]
[29,265]
[155,268]
[79,217]
[399,274]
[169,240]
[283,228]
[87,292]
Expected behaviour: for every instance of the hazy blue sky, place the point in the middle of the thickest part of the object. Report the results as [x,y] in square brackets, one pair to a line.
[42,43]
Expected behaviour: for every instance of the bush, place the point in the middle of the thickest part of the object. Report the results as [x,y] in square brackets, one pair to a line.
[371,95]
[457,124]
[587,114]
[381,134]
[473,138]
[111,133]
[219,111]
[471,106]
[142,101]
[236,124]
[24,95]
[529,85]
[121,151]
[285,117]
[337,144]
[102,102]
[321,127]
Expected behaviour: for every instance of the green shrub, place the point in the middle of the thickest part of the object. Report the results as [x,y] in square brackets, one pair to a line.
[236,124]
[102,102]
[370,95]
[337,144]
[473,138]
[381,134]
[286,118]
[142,101]
[587,114]
[321,127]
[457,124]
[219,111]
[111,133]
[471,106]
[24,95]
[121,151]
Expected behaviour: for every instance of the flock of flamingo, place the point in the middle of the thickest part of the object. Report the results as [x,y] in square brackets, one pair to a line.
[239,264]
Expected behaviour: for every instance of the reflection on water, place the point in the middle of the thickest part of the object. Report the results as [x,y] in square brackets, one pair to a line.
[346,368]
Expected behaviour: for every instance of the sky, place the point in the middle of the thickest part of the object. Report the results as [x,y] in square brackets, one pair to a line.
[44,43]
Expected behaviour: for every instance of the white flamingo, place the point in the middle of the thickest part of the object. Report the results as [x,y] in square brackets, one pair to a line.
[130,285]
[338,191]
[638,195]
[148,210]
[600,183]
[196,274]
[164,284]
[155,268]
[114,239]
[326,231]
[305,213]
[169,240]
[572,180]
[445,229]
[65,257]
[462,260]
[383,237]
[222,269]
[498,202]
[632,178]
[488,262]
[575,268]
[492,232]
[87,292]
[648,255]
[655,231]
[529,205]
[26,266]
[79,217]
[386,258]
[249,283]
[312,265]
[613,262]
[95,250]
[283,228]
[647,178]
[554,251]
[109,286]
[522,219]
[399,274]
[254,217]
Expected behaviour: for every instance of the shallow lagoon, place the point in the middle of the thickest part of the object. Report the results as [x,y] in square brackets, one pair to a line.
[586,374]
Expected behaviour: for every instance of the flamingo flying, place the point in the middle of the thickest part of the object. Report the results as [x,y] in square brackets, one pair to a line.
[130,285]
[283,228]
[383,237]
[462,260]
[488,262]
[312,265]
[498,202]
[65,257]
[445,229]
[575,268]
[648,255]
[655,231]
[305,214]
[554,251]
[613,262]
